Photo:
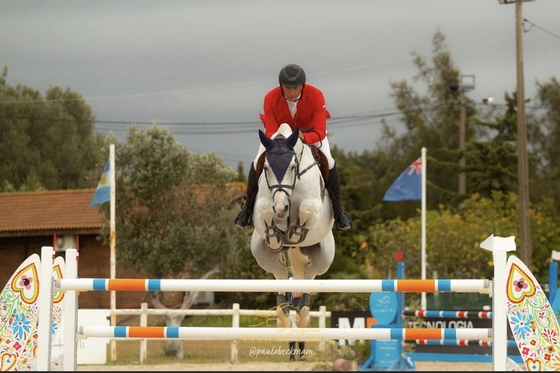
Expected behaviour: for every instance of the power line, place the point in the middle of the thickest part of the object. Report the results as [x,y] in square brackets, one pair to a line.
[540,28]
[221,128]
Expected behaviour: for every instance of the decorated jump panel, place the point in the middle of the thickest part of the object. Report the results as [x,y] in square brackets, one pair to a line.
[531,318]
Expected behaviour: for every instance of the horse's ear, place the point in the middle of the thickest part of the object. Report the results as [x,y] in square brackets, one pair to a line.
[265,140]
[293,138]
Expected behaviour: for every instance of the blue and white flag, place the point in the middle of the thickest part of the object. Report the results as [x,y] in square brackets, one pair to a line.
[103,191]
[408,186]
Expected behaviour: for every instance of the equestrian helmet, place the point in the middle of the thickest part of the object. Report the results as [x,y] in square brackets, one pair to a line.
[291,76]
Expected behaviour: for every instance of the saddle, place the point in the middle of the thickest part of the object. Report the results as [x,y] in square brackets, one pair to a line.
[321,160]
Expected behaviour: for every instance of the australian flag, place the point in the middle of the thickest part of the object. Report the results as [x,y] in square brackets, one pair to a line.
[408,186]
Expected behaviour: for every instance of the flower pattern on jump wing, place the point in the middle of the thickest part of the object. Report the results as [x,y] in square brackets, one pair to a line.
[551,336]
[54,327]
[533,364]
[522,325]
[4,308]
[544,317]
[534,343]
[520,285]
[26,281]
[555,363]
[21,326]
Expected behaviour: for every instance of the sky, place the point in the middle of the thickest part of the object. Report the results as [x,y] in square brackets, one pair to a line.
[202,68]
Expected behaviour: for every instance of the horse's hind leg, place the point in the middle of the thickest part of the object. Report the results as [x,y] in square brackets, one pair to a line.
[304,318]
[273,262]
[321,256]
[300,262]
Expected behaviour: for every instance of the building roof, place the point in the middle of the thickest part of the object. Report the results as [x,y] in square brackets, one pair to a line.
[32,213]
[48,212]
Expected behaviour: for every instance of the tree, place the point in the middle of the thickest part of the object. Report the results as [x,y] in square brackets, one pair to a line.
[453,238]
[491,156]
[546,133]
[174,213]
[48,140]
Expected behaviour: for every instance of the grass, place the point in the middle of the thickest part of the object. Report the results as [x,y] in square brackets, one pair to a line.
[213,351]
[128,352]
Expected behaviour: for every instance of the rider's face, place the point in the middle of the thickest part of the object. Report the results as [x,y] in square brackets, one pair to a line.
[292,93]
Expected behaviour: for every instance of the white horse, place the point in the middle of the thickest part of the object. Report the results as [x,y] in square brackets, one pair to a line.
[293,215]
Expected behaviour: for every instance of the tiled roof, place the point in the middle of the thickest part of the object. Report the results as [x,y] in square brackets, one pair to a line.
[22,212]
[49,210]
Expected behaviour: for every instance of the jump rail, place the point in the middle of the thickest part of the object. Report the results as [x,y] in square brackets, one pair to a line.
[335,286]
[497,245]
[458,342]
[279,334]
[449,314]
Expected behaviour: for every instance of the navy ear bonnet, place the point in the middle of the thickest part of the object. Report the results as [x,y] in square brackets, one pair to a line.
[279,154]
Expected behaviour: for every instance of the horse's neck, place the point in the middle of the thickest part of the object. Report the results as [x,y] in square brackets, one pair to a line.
[311,179]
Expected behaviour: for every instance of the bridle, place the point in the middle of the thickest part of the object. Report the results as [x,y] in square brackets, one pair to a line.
[287,188]
[279,157]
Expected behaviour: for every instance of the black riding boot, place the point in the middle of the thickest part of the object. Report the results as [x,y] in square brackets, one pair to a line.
[342,219]
[244,217]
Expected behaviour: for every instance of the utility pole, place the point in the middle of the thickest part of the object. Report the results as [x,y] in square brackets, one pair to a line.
[523,163]
[466,84]
[462,136]
[522,159]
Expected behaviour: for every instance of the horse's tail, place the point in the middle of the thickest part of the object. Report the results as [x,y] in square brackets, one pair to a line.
[298,262]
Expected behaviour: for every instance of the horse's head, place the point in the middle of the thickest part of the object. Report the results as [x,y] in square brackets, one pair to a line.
[280,168]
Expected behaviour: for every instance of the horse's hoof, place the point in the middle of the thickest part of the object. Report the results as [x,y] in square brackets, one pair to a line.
[282,318]
[279,246]
[297,233]
[304,318]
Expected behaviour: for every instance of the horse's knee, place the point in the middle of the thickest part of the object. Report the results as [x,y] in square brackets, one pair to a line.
[264,210]
[310,211]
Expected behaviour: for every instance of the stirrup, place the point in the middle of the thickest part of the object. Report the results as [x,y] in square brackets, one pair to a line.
[344,223]
[243,219]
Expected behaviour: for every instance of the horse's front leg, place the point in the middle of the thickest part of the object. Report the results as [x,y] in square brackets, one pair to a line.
[310,211]
[273,238]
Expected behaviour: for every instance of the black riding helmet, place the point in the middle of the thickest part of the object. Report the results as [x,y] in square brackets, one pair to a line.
[291,76]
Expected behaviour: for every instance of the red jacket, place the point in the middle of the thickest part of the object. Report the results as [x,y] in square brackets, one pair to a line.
[311,113]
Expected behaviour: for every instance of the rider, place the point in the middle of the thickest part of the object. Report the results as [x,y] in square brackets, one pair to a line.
[300,105]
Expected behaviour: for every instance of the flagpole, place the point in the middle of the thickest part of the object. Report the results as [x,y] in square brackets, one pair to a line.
[112,259]
[423,300]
